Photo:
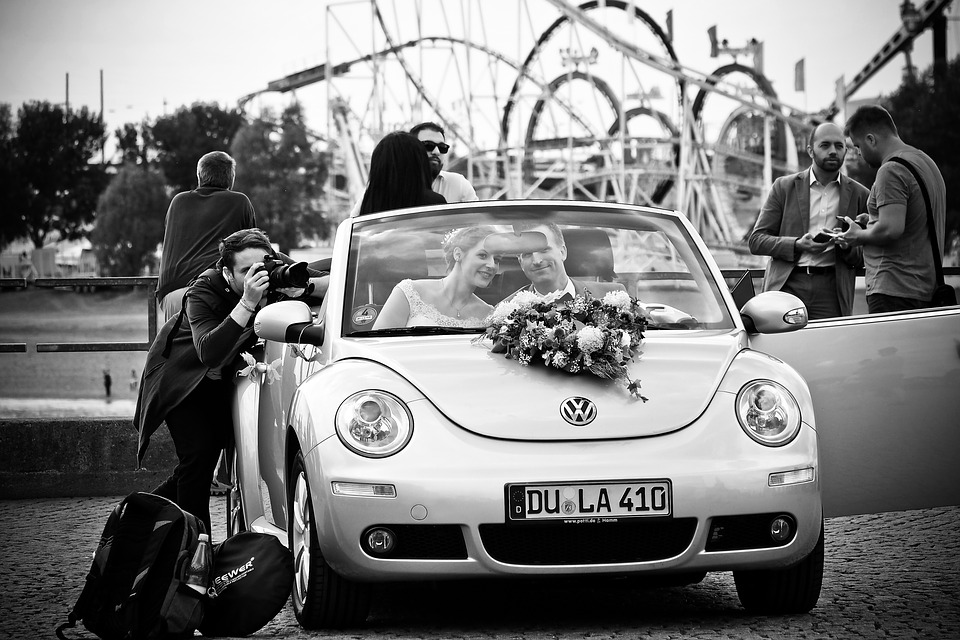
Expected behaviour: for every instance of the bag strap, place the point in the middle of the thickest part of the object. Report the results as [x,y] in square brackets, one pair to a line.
[931,229]
[96,570]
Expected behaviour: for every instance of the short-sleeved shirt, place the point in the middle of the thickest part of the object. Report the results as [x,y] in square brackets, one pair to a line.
[904,268]
[454,187]
[196,222]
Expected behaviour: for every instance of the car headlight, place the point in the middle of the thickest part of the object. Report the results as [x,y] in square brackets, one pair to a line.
[374,424]
[768,413]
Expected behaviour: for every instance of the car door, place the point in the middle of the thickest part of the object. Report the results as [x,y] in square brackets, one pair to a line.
[886,393]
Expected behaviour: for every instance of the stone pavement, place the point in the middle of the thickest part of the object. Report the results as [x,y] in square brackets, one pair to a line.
[894,575]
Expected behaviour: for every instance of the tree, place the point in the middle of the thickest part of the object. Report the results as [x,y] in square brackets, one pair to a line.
[50,185]
[12,193]
[180,139]
[130,221]
[283,175]
[134,142]
[925,111]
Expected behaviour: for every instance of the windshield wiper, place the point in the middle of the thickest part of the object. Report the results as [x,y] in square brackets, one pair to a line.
[415,331]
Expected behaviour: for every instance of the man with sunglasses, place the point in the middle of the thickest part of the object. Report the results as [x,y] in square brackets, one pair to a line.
[452,186]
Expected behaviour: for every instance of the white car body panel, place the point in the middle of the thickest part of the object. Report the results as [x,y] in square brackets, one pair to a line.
[886,389]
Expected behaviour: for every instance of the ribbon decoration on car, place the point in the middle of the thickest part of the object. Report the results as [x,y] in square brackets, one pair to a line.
[298,352]
[255,369]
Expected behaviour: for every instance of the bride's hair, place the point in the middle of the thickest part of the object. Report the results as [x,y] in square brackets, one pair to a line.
[465,238]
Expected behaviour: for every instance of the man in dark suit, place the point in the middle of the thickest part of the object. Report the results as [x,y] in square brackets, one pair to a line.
[546,272]
[821,274]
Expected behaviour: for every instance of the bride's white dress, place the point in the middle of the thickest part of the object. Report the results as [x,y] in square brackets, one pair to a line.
[425,314]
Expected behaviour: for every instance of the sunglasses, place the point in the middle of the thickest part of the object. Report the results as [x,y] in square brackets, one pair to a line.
[430,146]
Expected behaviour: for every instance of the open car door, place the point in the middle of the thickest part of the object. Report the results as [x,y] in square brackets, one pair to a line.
[886,392]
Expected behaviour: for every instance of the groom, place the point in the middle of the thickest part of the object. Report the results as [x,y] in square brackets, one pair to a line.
[545,268]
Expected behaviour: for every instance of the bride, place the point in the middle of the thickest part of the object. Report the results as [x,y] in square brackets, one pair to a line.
[449,301]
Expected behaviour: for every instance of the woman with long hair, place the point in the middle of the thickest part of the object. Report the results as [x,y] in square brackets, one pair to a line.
[398,176]
[449,301]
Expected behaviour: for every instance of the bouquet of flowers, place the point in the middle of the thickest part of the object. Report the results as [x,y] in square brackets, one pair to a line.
[586,334]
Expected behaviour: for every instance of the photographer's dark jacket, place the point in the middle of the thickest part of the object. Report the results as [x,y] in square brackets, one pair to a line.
[203,338]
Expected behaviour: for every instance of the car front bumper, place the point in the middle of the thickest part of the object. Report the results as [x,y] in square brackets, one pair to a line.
[449,476]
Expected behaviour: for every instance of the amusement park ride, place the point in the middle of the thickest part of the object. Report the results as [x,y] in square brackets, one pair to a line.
[593,103]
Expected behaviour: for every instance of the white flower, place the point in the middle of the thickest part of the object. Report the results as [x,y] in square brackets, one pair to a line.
[589,339]
[619,299]
[525,299]
[502,312]
[624,340]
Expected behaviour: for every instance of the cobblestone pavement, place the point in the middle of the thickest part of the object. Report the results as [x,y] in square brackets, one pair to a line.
[894,575]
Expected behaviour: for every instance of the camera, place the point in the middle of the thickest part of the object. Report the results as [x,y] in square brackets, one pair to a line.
[282,275]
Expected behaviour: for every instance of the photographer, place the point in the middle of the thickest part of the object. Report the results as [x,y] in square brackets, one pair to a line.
[187,378]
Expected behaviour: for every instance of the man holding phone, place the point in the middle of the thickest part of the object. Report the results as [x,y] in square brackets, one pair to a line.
[798,226]
[900,270]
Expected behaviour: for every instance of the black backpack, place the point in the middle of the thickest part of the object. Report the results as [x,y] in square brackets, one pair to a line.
[135,587]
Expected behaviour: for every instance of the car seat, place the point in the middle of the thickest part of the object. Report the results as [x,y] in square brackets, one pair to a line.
[384,260]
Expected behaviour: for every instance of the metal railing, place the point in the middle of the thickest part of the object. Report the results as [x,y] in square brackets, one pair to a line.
[150,284]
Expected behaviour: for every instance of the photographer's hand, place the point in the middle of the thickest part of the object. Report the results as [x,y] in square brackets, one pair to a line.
[255,283]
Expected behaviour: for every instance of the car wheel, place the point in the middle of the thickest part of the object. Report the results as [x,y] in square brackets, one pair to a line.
[795,589]
[321,597]
[236,521]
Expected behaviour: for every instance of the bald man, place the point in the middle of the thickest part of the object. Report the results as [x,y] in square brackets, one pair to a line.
[822,274]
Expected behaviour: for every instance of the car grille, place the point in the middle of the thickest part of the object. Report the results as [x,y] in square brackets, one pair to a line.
[729,533]
[423,542]
[546,543]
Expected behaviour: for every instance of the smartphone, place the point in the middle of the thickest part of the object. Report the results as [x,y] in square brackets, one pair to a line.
[845,226]
[824,235]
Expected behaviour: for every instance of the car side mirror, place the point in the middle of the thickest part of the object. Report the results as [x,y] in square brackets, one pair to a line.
[774,312]
[288,321]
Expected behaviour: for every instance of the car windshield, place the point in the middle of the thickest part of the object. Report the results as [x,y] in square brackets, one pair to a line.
[444,271]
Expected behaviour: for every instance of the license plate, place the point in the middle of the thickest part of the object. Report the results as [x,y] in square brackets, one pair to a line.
[592,500]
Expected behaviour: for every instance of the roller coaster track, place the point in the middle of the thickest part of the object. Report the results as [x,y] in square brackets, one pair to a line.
[601,152]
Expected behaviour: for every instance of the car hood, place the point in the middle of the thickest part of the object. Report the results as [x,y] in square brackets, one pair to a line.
[490,395]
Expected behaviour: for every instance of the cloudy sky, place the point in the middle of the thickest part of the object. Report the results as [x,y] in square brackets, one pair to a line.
[156,56]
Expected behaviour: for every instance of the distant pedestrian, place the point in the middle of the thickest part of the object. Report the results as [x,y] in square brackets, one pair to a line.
[107,381]
[451,185]
[27,269]
[897,254]
[133,380]
[196,222]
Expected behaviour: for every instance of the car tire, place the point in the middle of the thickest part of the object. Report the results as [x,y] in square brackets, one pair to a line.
[322,599]
[236,520]
[795,589]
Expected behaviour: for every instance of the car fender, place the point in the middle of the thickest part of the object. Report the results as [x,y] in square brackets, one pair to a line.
[313,407]
[750,365]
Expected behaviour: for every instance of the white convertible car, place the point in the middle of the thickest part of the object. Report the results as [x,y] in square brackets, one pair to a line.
[382,452]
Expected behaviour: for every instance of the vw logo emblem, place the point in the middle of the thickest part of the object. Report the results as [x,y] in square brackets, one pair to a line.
[578,411]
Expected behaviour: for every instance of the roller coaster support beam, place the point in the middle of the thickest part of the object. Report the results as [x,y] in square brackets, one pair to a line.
[929,15]
[680,72]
